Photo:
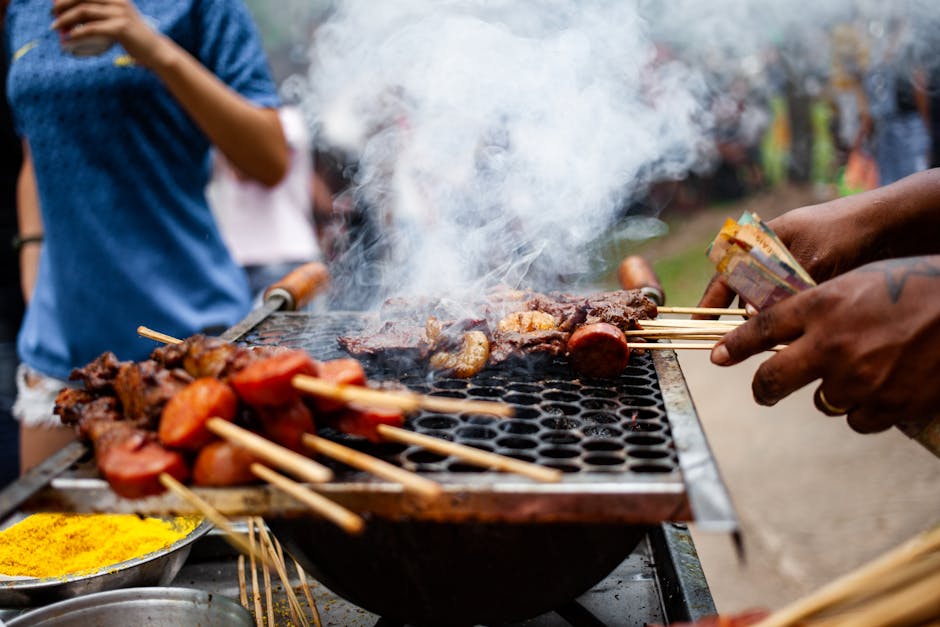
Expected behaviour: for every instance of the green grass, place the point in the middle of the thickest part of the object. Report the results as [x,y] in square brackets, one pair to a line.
[685,275]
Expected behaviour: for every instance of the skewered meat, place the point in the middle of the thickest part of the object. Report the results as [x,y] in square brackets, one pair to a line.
[253,386]
[268,381]
[286,424]
[516,325]
[184,419]
[145,387]
[598,349]
[222,463]
[98,376]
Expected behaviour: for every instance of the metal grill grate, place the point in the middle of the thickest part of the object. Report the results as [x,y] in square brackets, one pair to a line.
[575,425]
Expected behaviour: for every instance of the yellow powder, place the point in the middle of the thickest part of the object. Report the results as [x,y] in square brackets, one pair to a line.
[56,545]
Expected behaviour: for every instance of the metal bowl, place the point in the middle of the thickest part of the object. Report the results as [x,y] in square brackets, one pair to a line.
[151,607]
[153,569]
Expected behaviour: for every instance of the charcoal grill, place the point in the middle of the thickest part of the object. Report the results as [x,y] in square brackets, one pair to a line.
[631,449]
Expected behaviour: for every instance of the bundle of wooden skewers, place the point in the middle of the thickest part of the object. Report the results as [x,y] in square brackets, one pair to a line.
[257,593]
[685,334]
[901,588]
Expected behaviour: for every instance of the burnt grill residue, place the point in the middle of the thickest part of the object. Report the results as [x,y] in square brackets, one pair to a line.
[561,421]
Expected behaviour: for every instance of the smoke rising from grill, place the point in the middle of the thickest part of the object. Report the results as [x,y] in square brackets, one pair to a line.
[497,140]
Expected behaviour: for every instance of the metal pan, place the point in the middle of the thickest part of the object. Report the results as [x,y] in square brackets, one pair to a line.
[154,569]
[154,607]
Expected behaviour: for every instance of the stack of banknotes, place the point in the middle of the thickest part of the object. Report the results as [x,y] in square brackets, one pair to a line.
[752,261]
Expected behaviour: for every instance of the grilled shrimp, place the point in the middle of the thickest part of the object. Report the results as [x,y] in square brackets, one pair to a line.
[527,321]
[469,360]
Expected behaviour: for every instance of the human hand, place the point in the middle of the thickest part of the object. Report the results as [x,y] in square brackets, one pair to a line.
[826,239]
[117,20]
[872,335]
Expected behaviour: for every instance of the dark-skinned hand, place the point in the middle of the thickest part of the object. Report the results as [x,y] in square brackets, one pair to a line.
[872,335]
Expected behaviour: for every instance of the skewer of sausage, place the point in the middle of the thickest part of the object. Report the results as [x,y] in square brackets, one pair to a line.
[266,385]
[373,414]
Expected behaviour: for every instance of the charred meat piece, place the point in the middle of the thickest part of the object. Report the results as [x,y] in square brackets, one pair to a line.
[145,387]
[98,376]
[621,308]
[544,344]
[401,340]
[199,355]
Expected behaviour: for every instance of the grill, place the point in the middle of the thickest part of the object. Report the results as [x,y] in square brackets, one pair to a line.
[632,453]
[632,448]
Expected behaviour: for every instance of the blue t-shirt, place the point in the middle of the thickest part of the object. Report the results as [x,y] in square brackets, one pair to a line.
[121,171]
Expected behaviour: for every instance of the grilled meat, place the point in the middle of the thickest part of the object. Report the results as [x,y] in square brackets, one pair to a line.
[516,325]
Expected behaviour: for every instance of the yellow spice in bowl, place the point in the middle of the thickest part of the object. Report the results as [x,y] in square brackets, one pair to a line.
[58,545]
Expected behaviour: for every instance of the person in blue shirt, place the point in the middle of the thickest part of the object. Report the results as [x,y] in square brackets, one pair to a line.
[116,160]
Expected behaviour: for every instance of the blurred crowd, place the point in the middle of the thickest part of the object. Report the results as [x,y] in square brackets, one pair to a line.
[864,114]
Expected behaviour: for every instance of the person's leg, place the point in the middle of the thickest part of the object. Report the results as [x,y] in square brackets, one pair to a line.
[41,433]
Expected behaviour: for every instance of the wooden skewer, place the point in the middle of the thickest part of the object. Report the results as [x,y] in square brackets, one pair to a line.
[403,400]
[255,588]
[347,520]
[314,613]
[266,577]
[277,558]
[684,324]
[911,605]
[276,455]
[242,582]
[846,586]
[214,516]
[357,459]
[703,346]
[705,311]
[471,455]
[712,333]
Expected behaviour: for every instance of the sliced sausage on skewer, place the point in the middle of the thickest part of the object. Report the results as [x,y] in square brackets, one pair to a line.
[286,424]
[598,350]
[183,422]
[222,463]
[268,381]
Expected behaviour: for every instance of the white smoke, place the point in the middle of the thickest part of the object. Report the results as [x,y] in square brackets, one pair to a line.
[497,139]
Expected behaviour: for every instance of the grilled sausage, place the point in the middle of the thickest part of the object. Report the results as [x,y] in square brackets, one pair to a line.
[598,350]
[344,371]
[268,381]
[286,424]
[183,422]
[222,463]
[132,467]
[362,420]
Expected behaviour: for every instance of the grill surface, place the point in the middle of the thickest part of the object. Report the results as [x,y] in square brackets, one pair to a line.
[586,425]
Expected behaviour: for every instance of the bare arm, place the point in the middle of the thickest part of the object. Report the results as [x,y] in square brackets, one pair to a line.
[249,136]
[30,221]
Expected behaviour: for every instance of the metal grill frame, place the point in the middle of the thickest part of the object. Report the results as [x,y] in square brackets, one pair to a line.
[687,488]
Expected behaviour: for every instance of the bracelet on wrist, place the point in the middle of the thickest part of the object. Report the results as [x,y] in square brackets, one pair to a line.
[19,241]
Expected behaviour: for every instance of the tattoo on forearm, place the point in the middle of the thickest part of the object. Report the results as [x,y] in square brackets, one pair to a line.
[898,271]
